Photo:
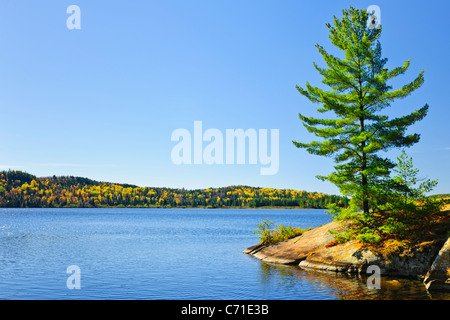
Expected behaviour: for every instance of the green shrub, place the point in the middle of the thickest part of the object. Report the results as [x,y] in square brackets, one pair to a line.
[268,236]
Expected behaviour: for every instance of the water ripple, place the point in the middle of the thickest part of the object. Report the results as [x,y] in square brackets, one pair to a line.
[164,254]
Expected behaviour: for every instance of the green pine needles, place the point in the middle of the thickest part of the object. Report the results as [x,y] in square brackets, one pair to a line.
[358,129]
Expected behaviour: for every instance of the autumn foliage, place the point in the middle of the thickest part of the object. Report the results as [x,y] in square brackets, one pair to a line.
[23,190]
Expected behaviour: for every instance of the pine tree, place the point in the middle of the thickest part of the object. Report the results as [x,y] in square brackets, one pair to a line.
[408,212]
[359,92]
[407,178]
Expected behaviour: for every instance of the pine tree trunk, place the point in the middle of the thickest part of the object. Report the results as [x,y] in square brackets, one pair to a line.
[365,200]
[363,175]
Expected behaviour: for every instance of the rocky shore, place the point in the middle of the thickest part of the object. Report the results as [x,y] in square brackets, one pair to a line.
[428,260]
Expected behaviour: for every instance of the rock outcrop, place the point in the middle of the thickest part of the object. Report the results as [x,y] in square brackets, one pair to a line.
[355,257]
[438,277]
[294,250]
[315,249]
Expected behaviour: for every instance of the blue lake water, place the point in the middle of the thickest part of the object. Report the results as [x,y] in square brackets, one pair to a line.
[169,254]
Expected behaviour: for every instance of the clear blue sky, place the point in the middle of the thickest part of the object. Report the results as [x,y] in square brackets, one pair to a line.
[102,102]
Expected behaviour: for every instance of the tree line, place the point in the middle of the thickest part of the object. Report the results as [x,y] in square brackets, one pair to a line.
[23,190]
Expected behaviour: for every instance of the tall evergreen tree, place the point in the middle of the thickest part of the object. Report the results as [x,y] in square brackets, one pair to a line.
[359,92]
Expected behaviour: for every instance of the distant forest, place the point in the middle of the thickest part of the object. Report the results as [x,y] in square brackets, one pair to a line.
[22,190]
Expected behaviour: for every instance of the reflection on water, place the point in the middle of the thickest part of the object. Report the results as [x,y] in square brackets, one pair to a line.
[317,284]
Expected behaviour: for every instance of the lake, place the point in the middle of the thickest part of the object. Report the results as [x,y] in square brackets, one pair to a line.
[182,254]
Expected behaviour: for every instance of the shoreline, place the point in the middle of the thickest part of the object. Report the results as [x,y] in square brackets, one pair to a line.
[140,207]
[428,260]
